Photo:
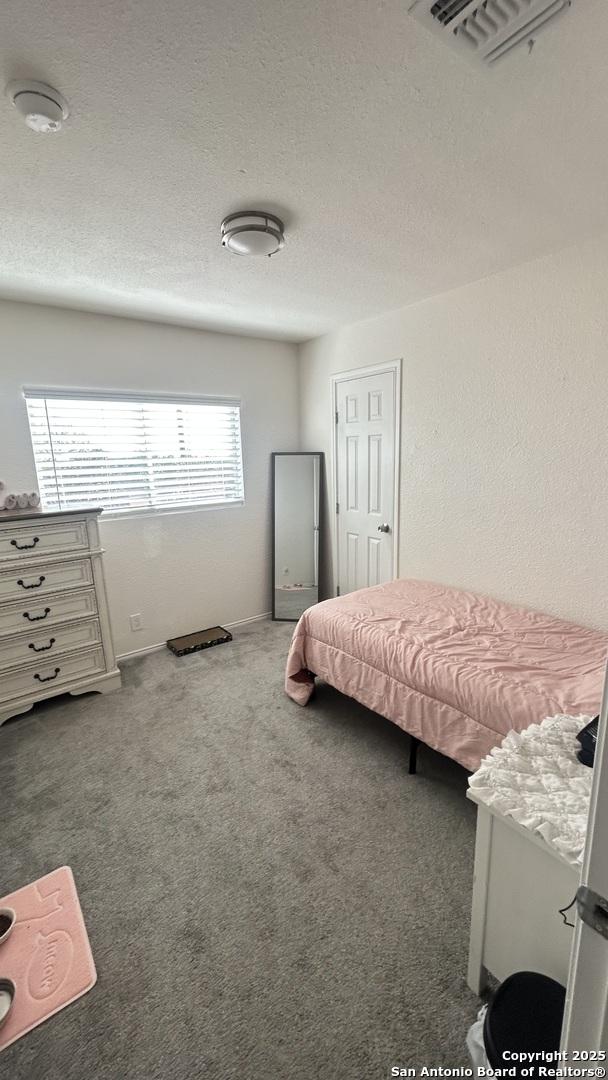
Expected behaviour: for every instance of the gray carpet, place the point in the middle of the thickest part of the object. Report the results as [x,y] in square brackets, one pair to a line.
[268,894]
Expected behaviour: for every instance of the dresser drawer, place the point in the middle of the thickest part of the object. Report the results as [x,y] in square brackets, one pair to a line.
[34,614]
[44,645]
[37,679]
[32,582]
[19,541]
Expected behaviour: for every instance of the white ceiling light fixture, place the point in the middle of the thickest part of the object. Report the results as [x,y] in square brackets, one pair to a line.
[253,232]
[43,108]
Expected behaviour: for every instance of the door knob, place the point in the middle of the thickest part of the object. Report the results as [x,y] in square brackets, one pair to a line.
[384,528]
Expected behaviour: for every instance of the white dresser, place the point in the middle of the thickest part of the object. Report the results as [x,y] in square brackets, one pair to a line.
[54,628]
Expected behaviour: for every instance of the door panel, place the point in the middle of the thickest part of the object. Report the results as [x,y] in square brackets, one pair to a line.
[352,472]
[375,402]
[373,560]
[366,409]
[374,455]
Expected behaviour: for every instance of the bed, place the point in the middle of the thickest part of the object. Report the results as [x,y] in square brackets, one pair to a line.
[454,669]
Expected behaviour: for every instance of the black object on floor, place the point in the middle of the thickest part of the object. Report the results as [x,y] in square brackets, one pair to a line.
[588,740]
[525,1013]
[202,639]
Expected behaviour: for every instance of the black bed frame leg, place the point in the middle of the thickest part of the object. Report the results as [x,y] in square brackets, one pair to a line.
[414,744]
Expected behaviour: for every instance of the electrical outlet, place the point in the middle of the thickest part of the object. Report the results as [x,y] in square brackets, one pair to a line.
[135,621]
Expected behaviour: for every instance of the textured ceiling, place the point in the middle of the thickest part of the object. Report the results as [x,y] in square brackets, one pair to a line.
[400,170]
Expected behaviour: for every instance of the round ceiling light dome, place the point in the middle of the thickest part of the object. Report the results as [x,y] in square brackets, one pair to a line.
[253,232]
[43,108]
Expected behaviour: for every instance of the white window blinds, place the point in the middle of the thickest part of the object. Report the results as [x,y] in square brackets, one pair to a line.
[123,452]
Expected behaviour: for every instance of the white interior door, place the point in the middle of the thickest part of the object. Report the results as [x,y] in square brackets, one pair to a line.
[366,425]
[586,1016]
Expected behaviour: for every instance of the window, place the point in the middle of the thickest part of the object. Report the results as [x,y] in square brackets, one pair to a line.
[127,452]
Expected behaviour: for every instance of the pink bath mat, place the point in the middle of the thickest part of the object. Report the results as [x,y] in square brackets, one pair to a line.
[47,954]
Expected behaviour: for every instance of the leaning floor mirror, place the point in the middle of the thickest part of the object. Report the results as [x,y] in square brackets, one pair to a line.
[296,492]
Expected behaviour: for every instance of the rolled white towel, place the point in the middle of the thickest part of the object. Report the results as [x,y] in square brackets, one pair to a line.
[10,502]
[23,500]
[33,498]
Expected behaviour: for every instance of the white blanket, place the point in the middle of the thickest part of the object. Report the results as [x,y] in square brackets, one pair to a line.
[536,778]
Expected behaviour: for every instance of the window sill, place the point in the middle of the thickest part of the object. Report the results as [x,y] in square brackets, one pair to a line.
[161,511]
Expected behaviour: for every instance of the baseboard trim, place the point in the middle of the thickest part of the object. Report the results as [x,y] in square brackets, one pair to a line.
[142,652]
[163,644]
[252,618]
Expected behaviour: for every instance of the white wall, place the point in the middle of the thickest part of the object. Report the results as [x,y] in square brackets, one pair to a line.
[182,571]
[504,431]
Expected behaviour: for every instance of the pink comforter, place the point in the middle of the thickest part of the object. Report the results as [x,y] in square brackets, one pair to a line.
[454,669]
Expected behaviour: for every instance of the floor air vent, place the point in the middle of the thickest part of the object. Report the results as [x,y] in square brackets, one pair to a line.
[487,30]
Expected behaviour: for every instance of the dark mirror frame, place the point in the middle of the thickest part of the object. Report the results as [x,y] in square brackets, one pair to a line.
[292,453]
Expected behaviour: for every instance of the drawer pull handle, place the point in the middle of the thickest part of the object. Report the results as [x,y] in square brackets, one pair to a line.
[34,585]
[26,547]
[47,678]
[42,648]
[36,618]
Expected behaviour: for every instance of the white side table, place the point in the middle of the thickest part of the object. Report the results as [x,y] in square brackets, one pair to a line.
[519,884]
[532,799]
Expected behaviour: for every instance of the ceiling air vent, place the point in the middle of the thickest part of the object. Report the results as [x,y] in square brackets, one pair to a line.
[486,30]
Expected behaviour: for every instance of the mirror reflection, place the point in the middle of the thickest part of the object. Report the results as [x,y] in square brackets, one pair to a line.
[296,480]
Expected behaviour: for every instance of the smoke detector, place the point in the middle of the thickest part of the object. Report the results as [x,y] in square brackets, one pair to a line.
[486,30]
[43,108]
[253,232]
